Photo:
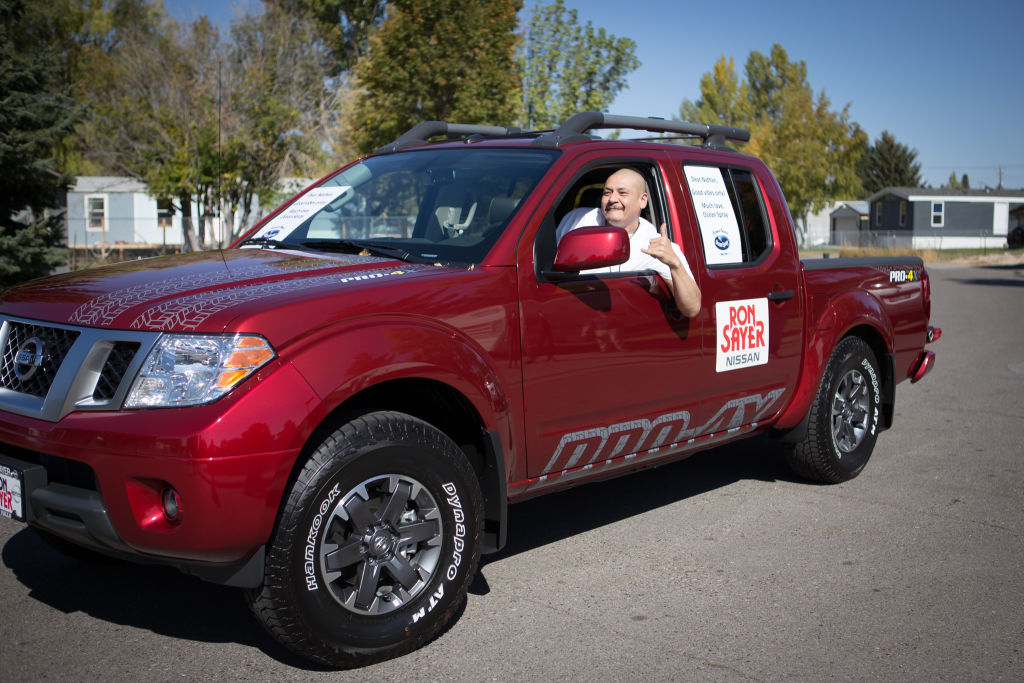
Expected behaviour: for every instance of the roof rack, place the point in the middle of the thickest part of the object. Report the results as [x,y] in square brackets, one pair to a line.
[575,128]
[571,131]
[422,132]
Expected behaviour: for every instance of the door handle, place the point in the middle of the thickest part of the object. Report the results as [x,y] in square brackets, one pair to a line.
[781,295]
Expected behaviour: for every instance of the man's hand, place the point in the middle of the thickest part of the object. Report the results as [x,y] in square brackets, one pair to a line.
[684,289]
[660,248]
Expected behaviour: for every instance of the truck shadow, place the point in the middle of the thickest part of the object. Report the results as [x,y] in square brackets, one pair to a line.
[540,521]
[153,598]
[168,603]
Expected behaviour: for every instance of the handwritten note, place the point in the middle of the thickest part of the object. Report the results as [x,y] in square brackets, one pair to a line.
[718,227]
[302,208]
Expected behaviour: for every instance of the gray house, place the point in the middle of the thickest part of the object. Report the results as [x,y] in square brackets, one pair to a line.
[925,218]
[105,211]
[848,223]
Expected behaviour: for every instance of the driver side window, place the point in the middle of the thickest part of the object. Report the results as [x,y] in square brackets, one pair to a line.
[586,192]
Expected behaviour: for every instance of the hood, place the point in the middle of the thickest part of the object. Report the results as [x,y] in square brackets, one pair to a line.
[187,291]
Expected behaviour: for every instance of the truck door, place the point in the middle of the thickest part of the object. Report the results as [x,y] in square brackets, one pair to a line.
[753,330]
[608,359]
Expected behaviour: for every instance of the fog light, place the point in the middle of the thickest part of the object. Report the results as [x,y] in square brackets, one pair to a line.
[171,500]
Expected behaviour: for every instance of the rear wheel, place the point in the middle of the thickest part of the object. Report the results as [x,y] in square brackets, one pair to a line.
[376,546]
[843,421]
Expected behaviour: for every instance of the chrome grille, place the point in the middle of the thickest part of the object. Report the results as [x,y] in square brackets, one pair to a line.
[114,368]
[32,356]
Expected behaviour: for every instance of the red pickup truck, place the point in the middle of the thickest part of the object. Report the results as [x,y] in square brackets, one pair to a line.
[335,412]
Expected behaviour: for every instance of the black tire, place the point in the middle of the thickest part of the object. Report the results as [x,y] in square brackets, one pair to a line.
[843,422]
[376,544]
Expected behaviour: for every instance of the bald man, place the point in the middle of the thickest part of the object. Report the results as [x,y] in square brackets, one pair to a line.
[625,196]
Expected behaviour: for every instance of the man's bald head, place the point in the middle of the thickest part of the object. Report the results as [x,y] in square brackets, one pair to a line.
[625,196]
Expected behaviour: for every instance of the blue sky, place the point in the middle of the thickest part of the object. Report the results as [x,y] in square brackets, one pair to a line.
[945,78]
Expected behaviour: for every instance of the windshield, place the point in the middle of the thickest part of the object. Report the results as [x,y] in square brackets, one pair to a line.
[441,205]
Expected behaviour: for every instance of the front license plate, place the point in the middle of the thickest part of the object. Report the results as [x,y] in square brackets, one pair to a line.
[11,486]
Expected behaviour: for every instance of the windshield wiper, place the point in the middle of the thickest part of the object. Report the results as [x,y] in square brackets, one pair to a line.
[267,242]
[357,247]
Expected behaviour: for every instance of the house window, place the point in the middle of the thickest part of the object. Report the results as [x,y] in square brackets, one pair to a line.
[164,213]
[96,213]
[938,211]
[878,212]
[903,214]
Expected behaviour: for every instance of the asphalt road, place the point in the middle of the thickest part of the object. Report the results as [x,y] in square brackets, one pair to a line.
[721,567]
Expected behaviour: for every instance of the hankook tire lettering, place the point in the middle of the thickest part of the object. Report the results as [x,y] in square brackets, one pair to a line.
[308,565]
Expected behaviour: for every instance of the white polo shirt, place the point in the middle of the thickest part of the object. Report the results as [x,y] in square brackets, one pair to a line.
[640,239]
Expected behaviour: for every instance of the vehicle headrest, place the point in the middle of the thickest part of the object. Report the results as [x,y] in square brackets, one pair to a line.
[501,208]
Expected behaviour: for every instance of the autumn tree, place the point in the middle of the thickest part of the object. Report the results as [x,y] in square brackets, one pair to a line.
[36,114]
[436,60]
[566,68]
[811,148]
[888,163]
[724,100]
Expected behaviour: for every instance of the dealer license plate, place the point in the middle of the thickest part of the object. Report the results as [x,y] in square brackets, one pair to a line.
[11,486]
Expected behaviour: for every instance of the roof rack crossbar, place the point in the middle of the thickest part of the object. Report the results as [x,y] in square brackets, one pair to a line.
[421,132]
[577,125]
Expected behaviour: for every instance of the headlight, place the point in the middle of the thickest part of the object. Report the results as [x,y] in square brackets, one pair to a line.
[187,370]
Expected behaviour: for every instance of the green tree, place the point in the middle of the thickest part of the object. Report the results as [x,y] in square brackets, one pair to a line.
[344,26]
[84,37]
[213,123]
[566,68]
[888,163]
[436,60]
[158,118]
[36,113]
[811,148]
[282,104]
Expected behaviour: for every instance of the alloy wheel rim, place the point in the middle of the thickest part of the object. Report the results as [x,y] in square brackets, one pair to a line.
[850,407]
[381,544]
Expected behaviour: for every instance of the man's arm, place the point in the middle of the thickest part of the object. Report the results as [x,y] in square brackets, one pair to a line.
[684,290]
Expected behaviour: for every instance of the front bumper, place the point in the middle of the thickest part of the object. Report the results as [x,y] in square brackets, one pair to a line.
[95,478]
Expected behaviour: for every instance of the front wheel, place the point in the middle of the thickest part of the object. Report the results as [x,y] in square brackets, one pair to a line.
[843,422]
[376,545]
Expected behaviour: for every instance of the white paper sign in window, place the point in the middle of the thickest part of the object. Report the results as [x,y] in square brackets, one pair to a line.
[301,209]
[718,227]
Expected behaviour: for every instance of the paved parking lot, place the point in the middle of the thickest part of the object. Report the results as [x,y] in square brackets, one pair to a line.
[721,567]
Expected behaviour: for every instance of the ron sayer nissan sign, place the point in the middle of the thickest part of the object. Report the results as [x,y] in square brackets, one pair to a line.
[742,339]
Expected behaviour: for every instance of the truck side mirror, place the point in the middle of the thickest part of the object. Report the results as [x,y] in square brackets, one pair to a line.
[595,247]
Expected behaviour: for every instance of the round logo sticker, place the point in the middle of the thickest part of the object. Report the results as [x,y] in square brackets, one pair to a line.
[722,242]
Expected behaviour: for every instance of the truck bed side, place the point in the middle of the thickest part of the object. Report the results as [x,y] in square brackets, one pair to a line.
[884,300]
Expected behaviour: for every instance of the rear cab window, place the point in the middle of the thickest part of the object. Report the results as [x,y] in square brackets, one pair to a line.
[730,215]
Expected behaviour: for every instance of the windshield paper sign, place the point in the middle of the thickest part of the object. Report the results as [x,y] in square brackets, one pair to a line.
[301,209]
[742,339]
[718,227]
